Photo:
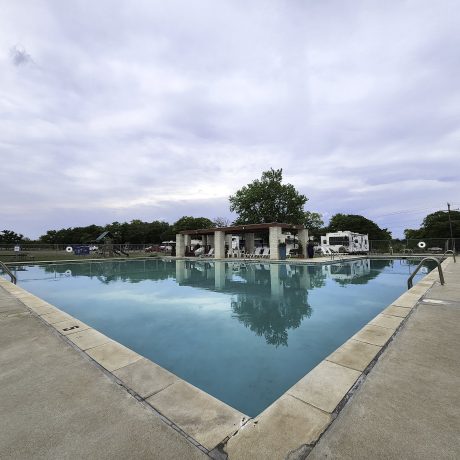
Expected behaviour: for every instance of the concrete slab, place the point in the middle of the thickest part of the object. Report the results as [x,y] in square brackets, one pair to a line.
[205,418]
[56,404]
[70,326]
[88,338]
[112,355]
[44,309]
[325,386]
[409,404]
[354,354]
[388,321]
[393,310]
[375,335]
[145,377]
[407,300]
[56,317]
[286,426]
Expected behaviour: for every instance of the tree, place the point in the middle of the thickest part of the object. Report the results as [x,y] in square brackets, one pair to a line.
[436,225]
[221,222]
[358,224]
[9,237]
[192,223]
[313,221]
[268,200]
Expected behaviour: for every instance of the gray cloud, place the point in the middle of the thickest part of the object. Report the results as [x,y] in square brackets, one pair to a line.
[19,56]
[164,109]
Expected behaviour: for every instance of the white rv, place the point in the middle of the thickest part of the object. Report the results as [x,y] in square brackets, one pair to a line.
[345,242]
[348,270]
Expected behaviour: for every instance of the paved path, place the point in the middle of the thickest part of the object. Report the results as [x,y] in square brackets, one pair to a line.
[56,404]
[409,405]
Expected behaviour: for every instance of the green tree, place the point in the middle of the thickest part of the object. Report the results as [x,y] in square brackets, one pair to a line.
[436,225]
[192,223]
[8,237]
[268,200]
[221,222]
[358,224]
[313,221]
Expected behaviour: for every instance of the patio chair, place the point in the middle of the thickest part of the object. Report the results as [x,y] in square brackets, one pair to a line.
[256,254]
[266,253]
[209,254]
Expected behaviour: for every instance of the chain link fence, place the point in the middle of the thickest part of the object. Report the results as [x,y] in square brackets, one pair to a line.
[413,246]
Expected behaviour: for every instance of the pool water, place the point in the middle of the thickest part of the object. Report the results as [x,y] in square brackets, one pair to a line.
[243,332]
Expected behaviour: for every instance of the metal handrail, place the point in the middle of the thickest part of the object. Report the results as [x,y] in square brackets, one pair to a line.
[453,253]
[441,274]
[8,271]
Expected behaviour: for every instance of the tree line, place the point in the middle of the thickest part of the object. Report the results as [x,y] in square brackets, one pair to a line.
[264,200]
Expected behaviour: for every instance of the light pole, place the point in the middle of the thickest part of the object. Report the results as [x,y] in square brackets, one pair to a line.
[450,226]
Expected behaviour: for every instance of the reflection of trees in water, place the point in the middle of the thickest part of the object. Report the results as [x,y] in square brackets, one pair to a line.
[111,271]
[272,317]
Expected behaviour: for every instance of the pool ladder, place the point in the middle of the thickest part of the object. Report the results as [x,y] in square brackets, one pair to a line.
[451,252]
[8,272]
[441,274]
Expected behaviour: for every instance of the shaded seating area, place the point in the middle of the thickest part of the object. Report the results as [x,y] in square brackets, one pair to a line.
[252,241]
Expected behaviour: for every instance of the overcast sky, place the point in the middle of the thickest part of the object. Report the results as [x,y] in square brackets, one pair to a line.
[154,110]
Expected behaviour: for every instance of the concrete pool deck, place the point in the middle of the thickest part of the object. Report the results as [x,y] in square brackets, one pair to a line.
[44,383]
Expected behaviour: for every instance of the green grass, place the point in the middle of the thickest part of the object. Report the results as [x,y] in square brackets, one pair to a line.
[50,256]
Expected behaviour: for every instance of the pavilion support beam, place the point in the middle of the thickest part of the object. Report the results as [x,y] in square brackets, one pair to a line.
[274,240]
[180,245]
[219,245]
[302,236]
[180,271]
[219,275]
[249,244]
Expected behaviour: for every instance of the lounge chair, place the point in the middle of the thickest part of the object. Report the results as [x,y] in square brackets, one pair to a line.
[256,254]
[209,254]
[266,253]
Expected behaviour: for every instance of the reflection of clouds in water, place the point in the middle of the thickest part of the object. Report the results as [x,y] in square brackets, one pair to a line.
[216,302]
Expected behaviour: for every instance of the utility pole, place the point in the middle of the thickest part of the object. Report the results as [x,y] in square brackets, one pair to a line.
[450,225]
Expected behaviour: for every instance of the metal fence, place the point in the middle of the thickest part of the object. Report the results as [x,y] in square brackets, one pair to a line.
[25,246]
[416,246]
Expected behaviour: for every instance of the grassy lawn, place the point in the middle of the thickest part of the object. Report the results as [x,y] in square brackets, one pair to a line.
[49,256]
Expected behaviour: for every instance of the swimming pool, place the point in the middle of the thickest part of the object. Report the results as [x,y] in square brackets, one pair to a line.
[243,332]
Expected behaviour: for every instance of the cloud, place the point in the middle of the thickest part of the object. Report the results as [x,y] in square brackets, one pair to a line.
[160,110]
[19,56]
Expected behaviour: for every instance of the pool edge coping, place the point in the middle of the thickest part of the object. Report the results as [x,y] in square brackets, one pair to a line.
[308,393]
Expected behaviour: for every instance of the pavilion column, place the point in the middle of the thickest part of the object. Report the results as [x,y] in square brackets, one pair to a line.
[219,275]
[211,240]
[188,240]
[302,236]
[219,244]
[305,281]
[249,244]
[180,271]
[276,288]
[228,241]
[274,240]
[204,240]
[180,245]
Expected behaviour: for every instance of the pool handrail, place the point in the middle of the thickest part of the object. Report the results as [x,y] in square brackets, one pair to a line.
[441,274]
[8,272]
[452,252]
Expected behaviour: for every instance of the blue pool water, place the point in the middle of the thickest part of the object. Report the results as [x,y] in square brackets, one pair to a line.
[243,332]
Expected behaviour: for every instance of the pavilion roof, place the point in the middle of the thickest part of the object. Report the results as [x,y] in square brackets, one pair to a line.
[238,229]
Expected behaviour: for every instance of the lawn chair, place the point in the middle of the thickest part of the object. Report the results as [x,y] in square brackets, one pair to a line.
[256,254]
[209,254]
[266,253]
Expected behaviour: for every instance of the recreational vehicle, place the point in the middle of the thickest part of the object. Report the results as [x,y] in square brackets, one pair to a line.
[345,242]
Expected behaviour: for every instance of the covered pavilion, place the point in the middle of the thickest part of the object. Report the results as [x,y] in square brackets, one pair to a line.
[218,237]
